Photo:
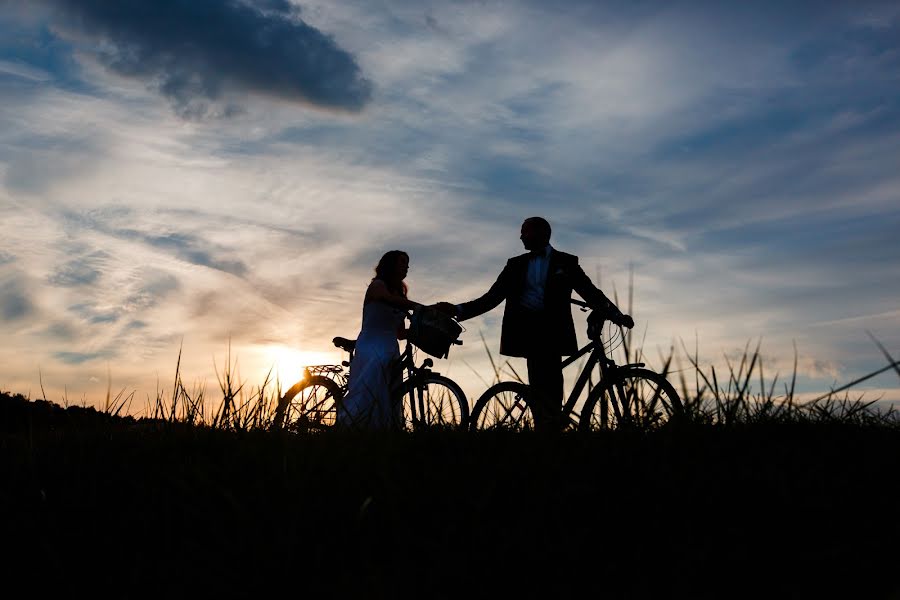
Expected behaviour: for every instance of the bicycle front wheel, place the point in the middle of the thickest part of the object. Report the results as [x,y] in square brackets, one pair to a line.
[434,401]
[636,397]
[309,405]
[505,405]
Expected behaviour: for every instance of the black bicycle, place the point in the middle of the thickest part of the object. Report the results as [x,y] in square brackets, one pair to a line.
[428,398]
[624,395]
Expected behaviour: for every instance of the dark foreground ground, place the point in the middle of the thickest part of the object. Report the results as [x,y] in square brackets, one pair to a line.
[120,508]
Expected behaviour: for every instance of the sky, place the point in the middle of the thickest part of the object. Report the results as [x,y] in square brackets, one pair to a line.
[193,174]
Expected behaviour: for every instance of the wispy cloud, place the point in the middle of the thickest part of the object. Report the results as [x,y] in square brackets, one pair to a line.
[24,71]
[78,358]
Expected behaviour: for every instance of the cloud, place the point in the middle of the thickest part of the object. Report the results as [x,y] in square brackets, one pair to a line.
[188,247]
[80,271]
[60,331]
[23,71]
[77,358]
[204,55]
[94,314]
[15,302]
[154,287]
[72,154]
[819,368]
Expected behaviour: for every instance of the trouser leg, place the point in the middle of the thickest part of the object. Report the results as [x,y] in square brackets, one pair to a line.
[545,379]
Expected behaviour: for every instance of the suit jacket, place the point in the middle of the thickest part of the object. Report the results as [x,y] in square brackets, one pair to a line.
[554,322]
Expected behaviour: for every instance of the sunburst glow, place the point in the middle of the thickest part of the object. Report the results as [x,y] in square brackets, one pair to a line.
[289,362]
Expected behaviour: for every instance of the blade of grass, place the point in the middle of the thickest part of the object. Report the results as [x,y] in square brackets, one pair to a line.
[490,357]
[885,352]
[847,386]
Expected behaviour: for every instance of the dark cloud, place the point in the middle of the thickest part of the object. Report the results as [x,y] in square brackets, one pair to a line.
[14,305]
[106,317]
[153,288]
[60,330]
[77,358]
[276,6]
[14,301]
[81,271]
[198,53]
[315,236]
[91,314]
[187,247]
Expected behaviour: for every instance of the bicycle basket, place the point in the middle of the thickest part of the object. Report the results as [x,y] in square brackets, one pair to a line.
[432,331]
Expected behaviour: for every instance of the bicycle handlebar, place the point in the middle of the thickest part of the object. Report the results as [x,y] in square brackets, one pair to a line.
[606,314]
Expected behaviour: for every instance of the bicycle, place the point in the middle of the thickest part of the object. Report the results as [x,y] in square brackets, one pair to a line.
[428,398]
[624,395]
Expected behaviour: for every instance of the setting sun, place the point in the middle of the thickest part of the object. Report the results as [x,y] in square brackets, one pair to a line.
[289,363]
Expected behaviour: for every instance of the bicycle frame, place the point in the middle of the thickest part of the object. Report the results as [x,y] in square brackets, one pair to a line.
[608,368]
[433,398]
[410,383]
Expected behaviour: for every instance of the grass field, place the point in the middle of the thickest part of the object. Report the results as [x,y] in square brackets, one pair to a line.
[752,494]
[114,506]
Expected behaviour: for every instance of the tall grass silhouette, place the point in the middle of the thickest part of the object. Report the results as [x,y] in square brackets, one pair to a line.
[241,407]
[741,395]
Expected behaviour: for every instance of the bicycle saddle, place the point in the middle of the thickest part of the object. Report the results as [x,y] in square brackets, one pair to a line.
[344,344]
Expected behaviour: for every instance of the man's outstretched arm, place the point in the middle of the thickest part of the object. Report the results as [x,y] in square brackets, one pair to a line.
[479,306]
[582,284]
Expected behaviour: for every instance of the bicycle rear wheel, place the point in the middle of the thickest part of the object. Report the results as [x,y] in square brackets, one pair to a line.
[436,401]
[504,405]
[638,397]
[309,405]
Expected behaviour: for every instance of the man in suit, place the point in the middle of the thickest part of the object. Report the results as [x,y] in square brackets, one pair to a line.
[537,319]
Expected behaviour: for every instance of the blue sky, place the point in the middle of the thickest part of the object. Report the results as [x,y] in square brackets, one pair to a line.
[219,169]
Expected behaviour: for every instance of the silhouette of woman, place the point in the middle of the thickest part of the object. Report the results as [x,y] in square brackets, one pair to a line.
[368,402]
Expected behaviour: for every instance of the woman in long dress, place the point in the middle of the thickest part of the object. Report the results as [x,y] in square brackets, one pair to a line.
[368,400]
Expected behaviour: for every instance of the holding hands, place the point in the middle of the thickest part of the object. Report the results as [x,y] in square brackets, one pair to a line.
[620,319]
[446,308]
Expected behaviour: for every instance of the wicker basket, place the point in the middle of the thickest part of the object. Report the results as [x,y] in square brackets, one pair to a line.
[432,331]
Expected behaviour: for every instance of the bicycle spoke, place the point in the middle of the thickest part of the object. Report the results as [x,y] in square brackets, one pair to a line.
[508,411]
[650,408]
[523,412]
[504,406]
[312,406]
[436,402]
[649,398]
[623,399]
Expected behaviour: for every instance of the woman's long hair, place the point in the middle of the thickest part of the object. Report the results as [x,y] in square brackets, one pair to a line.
[386,269]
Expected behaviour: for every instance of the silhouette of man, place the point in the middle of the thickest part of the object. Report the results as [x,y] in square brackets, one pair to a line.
[537,319]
